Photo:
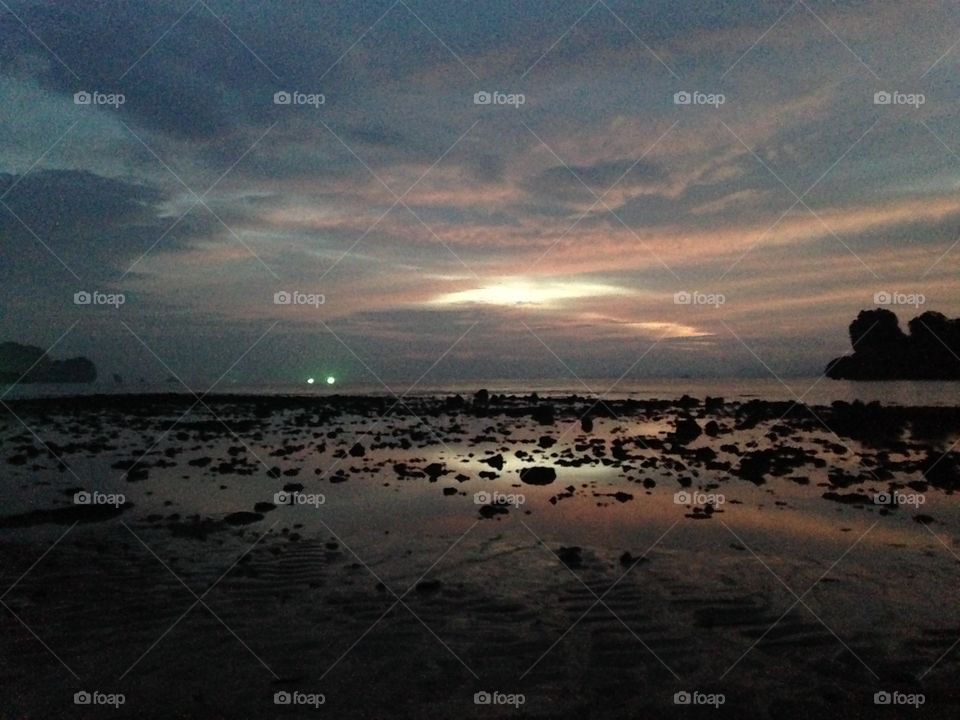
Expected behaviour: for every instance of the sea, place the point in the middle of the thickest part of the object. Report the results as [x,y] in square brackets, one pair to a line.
[809,390]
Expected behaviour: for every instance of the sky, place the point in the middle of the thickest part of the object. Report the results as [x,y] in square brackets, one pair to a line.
[459,190]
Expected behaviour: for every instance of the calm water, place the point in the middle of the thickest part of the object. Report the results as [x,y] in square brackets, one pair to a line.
[816,391]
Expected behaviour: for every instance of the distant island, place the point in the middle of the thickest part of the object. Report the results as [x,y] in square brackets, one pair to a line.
[882,351]
[30,364]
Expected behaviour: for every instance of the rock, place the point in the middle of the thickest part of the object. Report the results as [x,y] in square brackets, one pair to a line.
[481,398]
[571,556]
[489,511]
[434,470]
[137,474]
[712,429]
[848,498]
[425,587]
[687,431]
[881,350]
[586,424]
[495,462]
[628,560]
[543,414]
[358,450]
[242,518]
[449,491]
[262,507]
[29,364]
[942,470]
[538,475]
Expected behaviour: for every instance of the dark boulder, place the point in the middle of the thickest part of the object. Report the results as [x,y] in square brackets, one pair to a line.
[538,475]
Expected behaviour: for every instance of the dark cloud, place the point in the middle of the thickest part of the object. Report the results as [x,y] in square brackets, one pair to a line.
[94,224]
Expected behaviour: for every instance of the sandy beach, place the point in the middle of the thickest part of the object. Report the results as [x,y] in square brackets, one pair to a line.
[371,558]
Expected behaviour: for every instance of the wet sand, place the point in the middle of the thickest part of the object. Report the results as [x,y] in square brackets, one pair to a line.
[596,559]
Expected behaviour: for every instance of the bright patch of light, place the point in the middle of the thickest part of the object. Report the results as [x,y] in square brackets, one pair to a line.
[310,381]
[528,292]
[331,380]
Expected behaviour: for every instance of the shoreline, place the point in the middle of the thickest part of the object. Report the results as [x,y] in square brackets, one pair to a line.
[499,522]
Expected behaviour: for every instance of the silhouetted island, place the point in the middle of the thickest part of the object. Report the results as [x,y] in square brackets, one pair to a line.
[882,351]
[29,364]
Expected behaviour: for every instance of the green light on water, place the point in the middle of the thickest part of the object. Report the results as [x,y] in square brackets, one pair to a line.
[331,380]
[310,381]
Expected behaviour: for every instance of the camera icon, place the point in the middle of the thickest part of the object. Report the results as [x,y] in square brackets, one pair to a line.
[682,98]
[882,298]
[82,98]
[282,697]
[82,298]
[682,498]
[82,698]
[882,698]
[482,498]
[283,498]
[682,698]
[482,98]
[82,498]
[282,97]
[882,97]
[883,499]
[482,698]
[282,298]
[682,298]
